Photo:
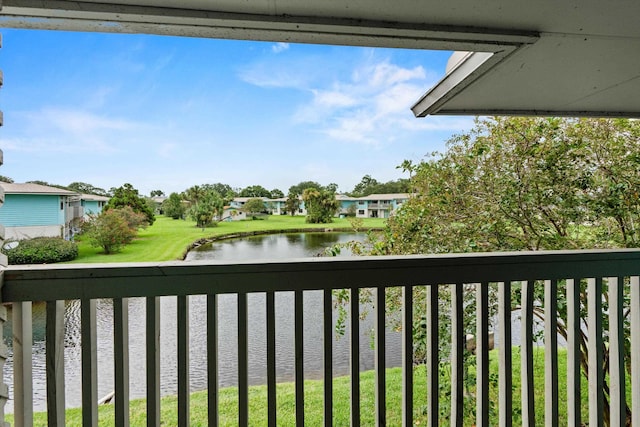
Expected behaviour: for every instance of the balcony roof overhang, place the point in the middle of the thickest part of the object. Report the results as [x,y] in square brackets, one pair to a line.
[576,58]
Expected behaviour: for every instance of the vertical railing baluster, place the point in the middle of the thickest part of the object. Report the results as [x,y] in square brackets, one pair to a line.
[153,361]
[551,352]
[574,402]
[89,341]
[327,320]
[354,332]
[4,388]
[458,341]
[121,360]
[379,358]
[271,359]
[407,356]
[299,352]
[433,357]
[22,364]
[243,360]
[596,375]
[617,389]
[212,360]
[482,354]
[55,363]
[183,361]
[526,355]
[505,364]
[635,350]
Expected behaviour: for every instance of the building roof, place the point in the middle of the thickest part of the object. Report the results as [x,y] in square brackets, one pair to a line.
[29,188]
[94,198]
[389,196]
[537,57]
[246,199]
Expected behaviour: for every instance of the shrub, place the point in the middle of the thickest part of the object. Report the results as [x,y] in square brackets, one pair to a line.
[42,250]
[113,228]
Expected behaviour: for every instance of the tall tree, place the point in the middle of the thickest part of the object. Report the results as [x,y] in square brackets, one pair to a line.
[276,194]
[155,193]
[292,204]
[128,196]
[85,188]
[527,184]
[369,185]
[301,186]
[224,190]
[255,191]
[321,205]
[194,194]
[206,205]
[173,206]
[255,205]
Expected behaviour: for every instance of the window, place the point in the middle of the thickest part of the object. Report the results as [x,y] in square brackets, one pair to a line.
[361,212]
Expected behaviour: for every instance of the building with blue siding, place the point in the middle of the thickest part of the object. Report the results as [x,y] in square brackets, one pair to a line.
[371,206]
[33,210]
[92,204]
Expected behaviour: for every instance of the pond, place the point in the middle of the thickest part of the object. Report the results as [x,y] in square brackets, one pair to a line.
[256,247]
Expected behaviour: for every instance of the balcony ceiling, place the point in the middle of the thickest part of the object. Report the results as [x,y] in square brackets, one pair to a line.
[576,57]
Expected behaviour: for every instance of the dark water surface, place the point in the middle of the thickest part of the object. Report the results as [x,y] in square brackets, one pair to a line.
[257,247]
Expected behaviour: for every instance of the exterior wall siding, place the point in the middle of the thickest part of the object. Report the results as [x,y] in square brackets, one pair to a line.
[31,232]
[91,207]
[31,210]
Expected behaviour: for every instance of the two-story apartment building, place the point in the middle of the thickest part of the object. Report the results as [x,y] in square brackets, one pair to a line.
[33,210]
[379,205]
[372,206]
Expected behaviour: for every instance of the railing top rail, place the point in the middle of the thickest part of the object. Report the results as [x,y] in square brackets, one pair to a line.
[74,281]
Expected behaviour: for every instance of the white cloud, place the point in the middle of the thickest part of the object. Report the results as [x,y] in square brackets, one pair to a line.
[67,130]
[166,150]
[279,47]
[371,107]
[81,122]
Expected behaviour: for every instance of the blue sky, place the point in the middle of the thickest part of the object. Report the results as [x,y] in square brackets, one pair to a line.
[168,113]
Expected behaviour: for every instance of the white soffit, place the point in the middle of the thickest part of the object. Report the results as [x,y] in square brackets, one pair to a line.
[562,75]
[573,57]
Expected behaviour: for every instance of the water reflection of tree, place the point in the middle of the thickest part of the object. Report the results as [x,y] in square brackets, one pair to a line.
[320,240]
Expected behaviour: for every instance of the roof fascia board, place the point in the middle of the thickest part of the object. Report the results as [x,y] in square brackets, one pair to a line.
[532,112]
[464,74]
[105,17]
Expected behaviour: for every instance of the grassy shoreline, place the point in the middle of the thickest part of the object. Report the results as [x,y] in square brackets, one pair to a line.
[168,239]
[228,406]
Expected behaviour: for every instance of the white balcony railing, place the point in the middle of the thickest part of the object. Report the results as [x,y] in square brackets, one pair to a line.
[433,274]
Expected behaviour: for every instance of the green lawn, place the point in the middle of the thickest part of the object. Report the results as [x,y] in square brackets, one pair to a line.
[168,239]
[228,407]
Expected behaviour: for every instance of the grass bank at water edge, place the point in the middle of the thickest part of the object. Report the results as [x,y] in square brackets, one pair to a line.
[168,239]
[228,403]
